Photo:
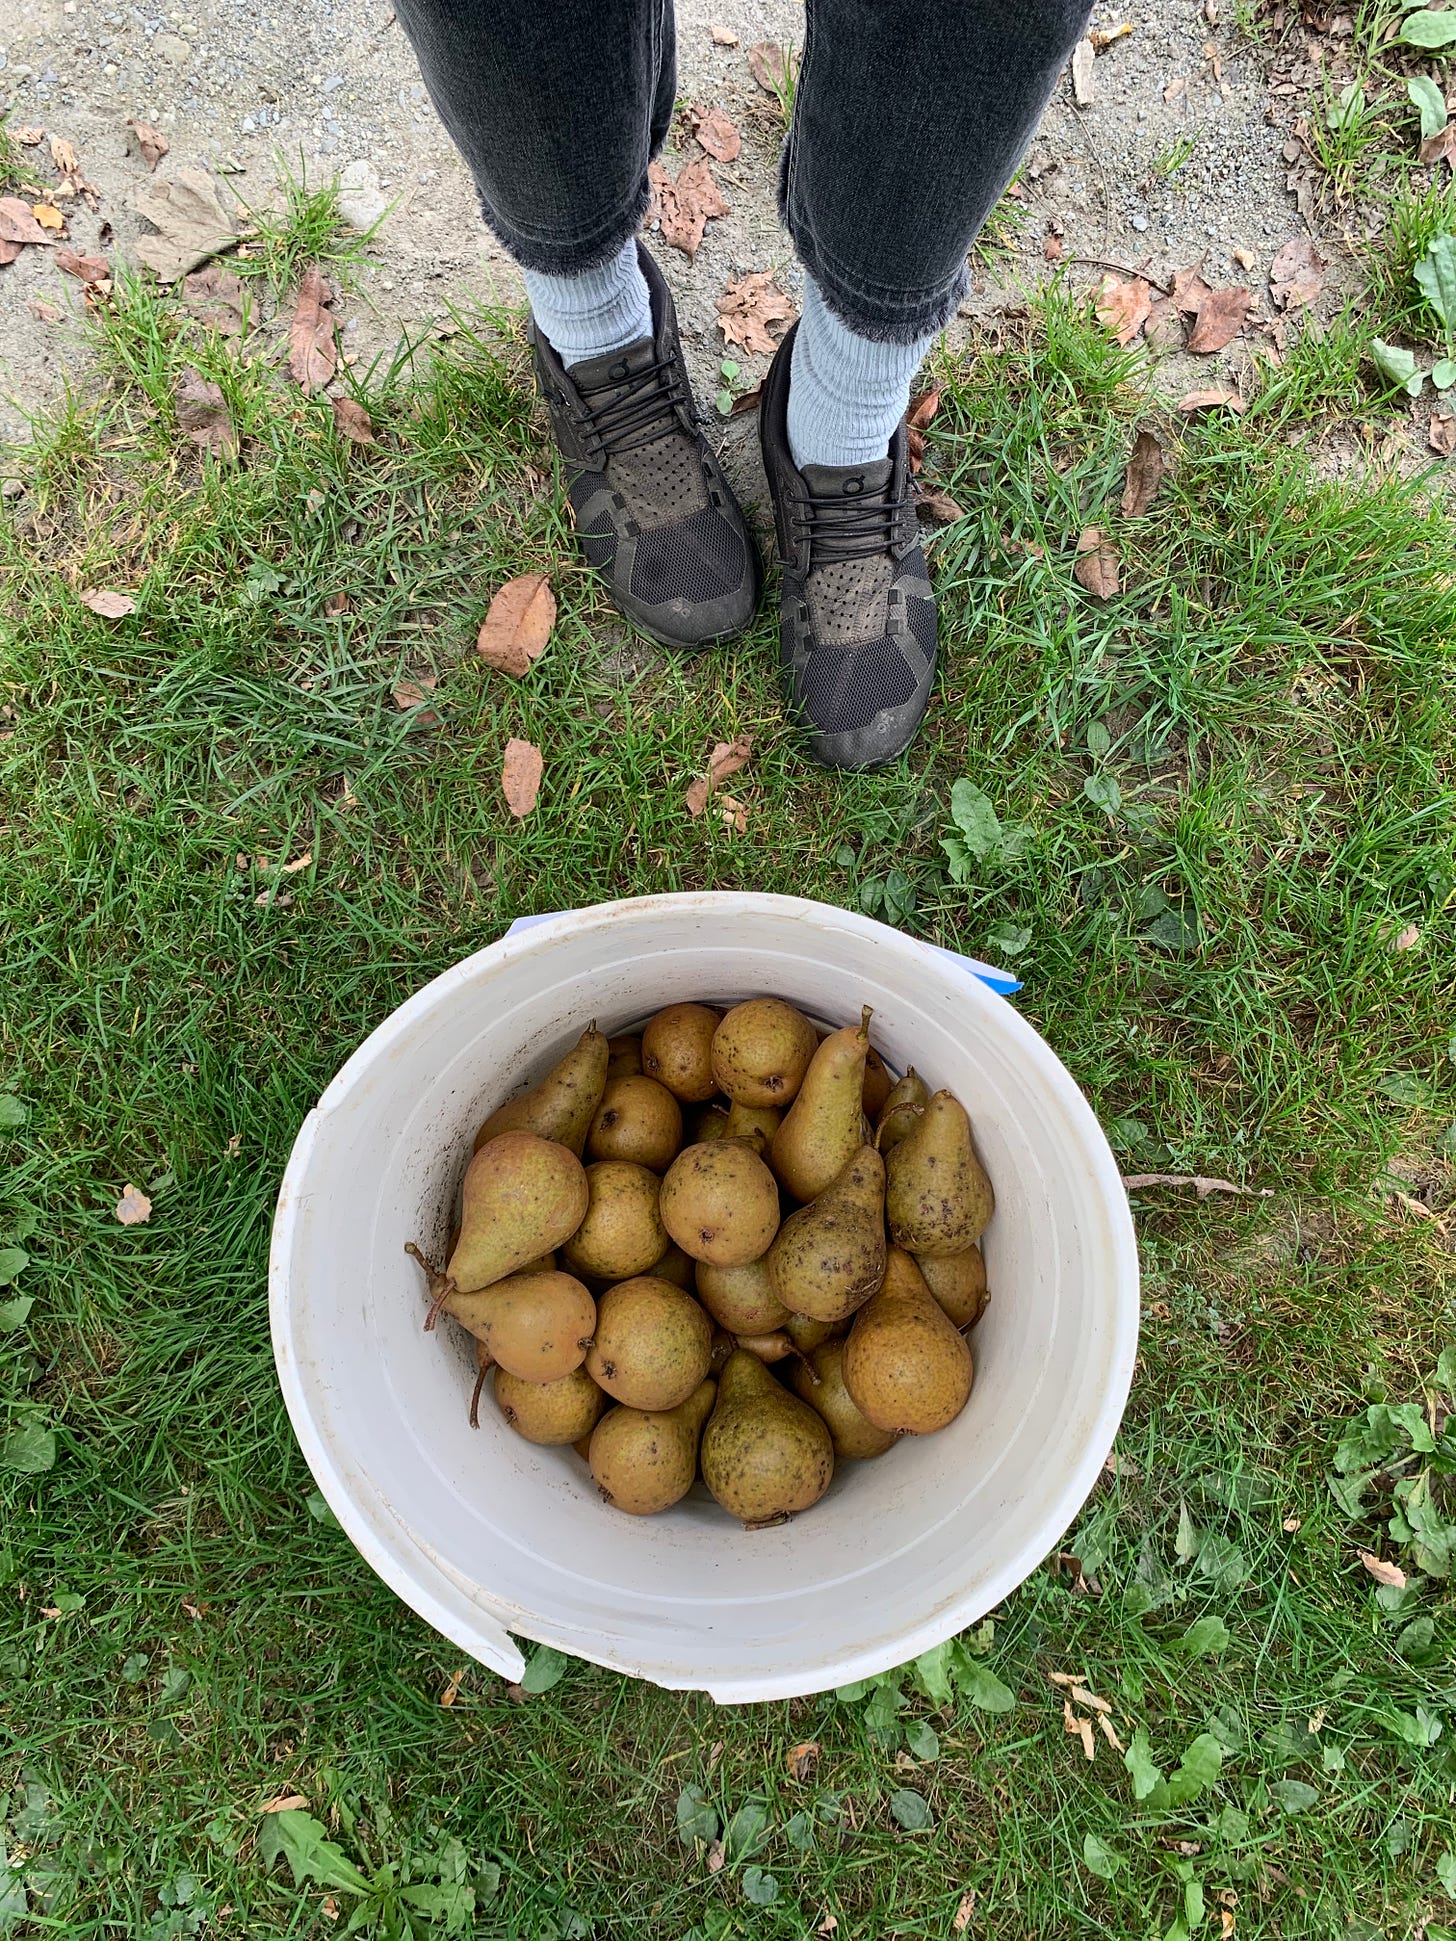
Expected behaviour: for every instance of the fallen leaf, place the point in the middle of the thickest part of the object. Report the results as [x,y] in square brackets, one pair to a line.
[354,421]
[1174,88]
[9,251]
[746,401]
[1077,1727]
[938,507]
[190,221]
[517,624]
[63,154]
[452,1690]
[685,206]
[1408,938]
[335,604]
[773,67]
[923,407]
[1135,1181]
[734,814]
[1082,1696]
[312,352]
[716,133]
[713,1859]
[723,36]
[1291,1524]
[1101,38]
[285,1803]
[133,1208]
[1190,291]
[1164,328]
[30,137]
[1383,1572]
[329,1908]
[1297,274]
[1097,562]
[1442,433]
[214,295]
[1109,1732]
[1210,400]
[414,694]
[1068,1678]
[189,1604]
[1440,148]
[1144,475]
[45,312]
[915,446]
[1051,248]
[106,601]
[961,1919]
[1227,1922]
[829,1925]
[292,869]
[1084,63]
[804,1760]
[521,773]
[151,143]
[1221,316]
[18,225]
[726,759]
[746,309]
[91,270]
[48,216]
[203,414]
[1122,305]
[273,898]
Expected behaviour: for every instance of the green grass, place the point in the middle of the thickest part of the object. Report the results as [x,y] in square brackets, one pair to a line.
[1210,947]
[1419,211]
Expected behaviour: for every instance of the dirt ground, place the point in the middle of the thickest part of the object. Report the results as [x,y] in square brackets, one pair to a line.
[1174,160]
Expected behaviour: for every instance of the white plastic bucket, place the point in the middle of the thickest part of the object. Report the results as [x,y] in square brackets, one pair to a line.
[484,1534]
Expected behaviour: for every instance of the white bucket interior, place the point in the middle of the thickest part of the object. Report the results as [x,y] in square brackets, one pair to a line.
[485,1534]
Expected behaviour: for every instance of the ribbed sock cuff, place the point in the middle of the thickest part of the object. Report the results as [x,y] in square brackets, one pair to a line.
[599,310]
[846,393]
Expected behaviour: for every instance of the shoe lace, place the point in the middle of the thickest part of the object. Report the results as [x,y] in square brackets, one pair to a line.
[839,527]
[636,410]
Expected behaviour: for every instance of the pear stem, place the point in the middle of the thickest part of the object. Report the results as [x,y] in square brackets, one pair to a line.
[808,1367]
[769,1522]
[475,1393]
[442,1286]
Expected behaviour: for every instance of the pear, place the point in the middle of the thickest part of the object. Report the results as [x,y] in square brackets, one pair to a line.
[762,1050]
[646,1460]
[550,1412]
[807,1335]
[907,1101]
[638,1119]
[765,1453]
[741,1299]
[538,1326]
[720,1204]
[958,1282]
[723,1346]
[677,1050]
[819,1380]
[562,1105]
[652,1346]
[712,1124]
[676,1266]
[583,1448]
[523,1196]
[758,1122]
[824,1126]
[829,1257]
[905,1366]
[937,1196]
[878,1085]
[768,1347]
[624,1056]
[622,1233]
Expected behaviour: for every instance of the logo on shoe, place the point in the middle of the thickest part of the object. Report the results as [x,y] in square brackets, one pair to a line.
[852,486]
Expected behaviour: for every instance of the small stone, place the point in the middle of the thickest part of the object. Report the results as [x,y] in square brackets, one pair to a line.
[1139,223]
[172,49]
[361,198]
[248,125]
[333,81]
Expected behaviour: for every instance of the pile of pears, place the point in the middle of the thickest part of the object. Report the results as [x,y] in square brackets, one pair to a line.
[725,1246]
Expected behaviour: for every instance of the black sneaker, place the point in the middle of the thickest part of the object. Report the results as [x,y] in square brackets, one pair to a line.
[653,510]
[857,629]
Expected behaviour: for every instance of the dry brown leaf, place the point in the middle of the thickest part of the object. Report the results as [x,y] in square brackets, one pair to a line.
[723,36]
[1221,317]
[1123,303]
[1135,1181]
[106,601]
[328,1907]
[915,446]
[1291,1524]
[521,773]
[1068,1678]
[1442,433]
[91,270]
[517,624]
[312,352]
[1190,291]
[726,759]
[18,225]
[1210,400]
[44,312]
[1408,938]
[9,251]
[1051,248]
[203,414]
[713,1859]
[354,421]
[716,133]
[734,814]
[335,604]
[1109,1732]
[804,1760]
[1144,475]
[1174,88]
[413,694]
[48,216]
[30,137]
[1076,1727]
[1227,1922]
[134,1208]
[63,154]
[685,206]
[1084,73]
[292,869]
[938,507]
[772,66]
[1164,328]
[1440,148]
[1082,1696]
[285,1803]
[961,1919]
[214,295]
[923,407]
[1097,563]
[1297,274]
[746,401]
[829,1925]
[1383,1572]
[190,221]
[452,1690]
[152,145]
[746,309]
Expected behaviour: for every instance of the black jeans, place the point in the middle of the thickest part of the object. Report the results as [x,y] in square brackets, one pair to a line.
[909,120]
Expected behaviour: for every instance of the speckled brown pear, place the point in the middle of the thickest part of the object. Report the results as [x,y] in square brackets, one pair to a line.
[621,1233]
[624,1056]
[901,1110]
[677,1050]
[741,1299]
[653,1344]
[823,1128]
[539,1326]
[761,1052]
[561,1107]
[905,1366]
[638,1119]
[645,1460]
[958,1282]
[877,1085]
[829,1257]
[719,1202]
[938,1199]
[523,1196]
[765,1453]
[758,1122]
[550,1413]
[819,1380]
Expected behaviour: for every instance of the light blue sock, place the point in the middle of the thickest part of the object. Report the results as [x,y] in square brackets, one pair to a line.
[597,311]
[846,393]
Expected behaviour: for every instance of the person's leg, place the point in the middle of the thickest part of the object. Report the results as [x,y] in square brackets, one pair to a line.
[910,117]
[557,107]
